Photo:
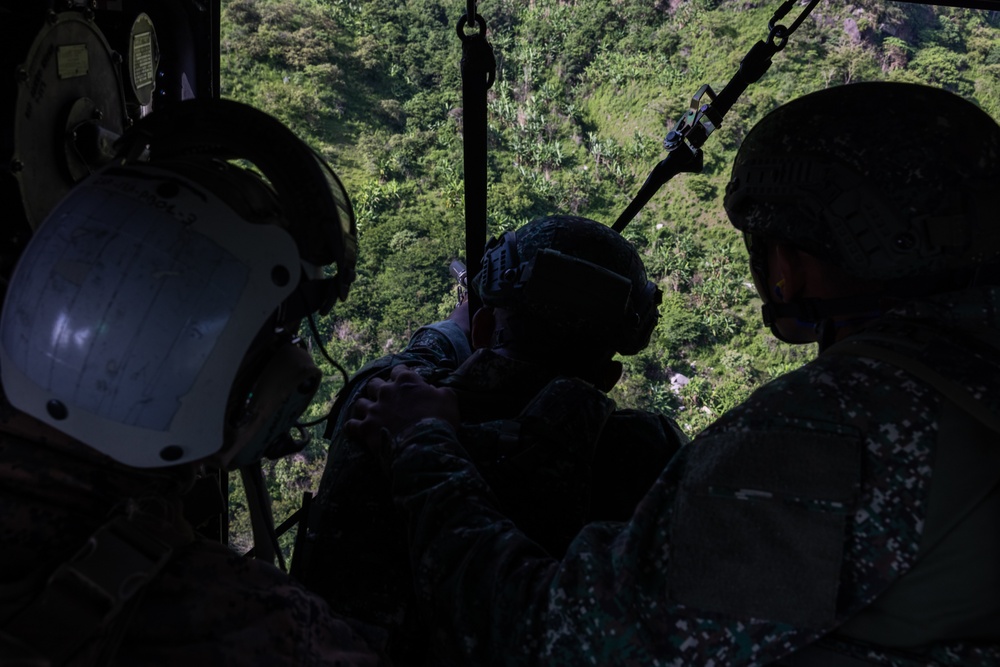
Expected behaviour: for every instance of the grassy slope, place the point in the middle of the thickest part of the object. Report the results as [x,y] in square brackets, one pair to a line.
[585,92]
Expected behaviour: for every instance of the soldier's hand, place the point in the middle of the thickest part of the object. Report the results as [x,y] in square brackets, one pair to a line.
[390,406]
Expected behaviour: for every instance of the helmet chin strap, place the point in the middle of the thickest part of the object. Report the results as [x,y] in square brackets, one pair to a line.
[827,333]
[825,316]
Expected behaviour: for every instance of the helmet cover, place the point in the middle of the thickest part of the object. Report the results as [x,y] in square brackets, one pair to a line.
[888,181]
[568,276]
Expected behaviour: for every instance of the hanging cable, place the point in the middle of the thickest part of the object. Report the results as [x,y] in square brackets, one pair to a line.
[340,369]
[683,143]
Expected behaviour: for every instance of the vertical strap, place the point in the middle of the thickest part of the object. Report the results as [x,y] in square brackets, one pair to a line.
[478,74]
[265,540]
[302,549]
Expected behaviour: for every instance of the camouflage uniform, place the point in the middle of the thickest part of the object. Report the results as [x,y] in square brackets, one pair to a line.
[538,440]
[790,515]
[208,606]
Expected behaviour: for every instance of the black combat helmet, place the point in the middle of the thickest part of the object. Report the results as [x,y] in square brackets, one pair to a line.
[889,181]
[572,279]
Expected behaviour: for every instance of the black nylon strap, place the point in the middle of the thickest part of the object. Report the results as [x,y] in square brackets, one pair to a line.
[478,74]
[817,655]
[703,118]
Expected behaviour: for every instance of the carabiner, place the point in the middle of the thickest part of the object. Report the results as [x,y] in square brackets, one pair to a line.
[779,34]
[464,21]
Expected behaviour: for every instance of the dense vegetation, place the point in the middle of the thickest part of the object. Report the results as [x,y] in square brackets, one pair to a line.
[585,92]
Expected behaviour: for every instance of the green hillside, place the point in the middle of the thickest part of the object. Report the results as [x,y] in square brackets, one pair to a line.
[585,92]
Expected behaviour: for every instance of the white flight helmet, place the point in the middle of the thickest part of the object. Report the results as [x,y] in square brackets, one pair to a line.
[154,315]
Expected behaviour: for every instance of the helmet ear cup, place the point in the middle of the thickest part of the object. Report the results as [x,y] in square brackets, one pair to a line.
[270,398]
[647,315]
[319,213]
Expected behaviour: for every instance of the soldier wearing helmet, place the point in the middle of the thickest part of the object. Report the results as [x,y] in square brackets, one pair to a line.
[846,513]
[892,205]
[568,291]
[562,295]
[149,338]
